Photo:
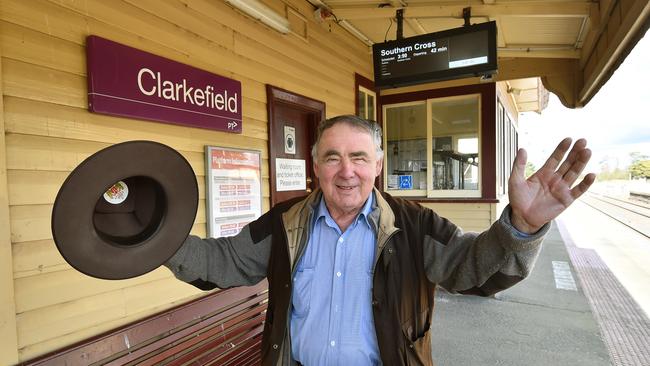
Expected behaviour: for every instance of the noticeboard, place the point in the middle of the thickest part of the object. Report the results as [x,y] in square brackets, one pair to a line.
[234,189]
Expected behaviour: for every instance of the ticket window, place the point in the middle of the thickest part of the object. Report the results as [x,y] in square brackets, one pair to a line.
[432,147]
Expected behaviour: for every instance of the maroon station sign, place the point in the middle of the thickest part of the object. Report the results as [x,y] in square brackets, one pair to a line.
[124,81]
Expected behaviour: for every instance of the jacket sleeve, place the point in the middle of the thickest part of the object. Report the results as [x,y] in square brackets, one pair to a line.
[240,260]
[480,263]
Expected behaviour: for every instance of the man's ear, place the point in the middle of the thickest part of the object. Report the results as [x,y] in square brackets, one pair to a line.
[315,167]
[380,164]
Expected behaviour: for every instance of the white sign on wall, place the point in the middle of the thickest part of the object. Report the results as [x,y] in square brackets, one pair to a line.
[290,175]
[289,140]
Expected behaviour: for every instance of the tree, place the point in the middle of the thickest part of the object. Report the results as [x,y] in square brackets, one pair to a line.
[636,156]
[530,169]
[609,170]
[640,169]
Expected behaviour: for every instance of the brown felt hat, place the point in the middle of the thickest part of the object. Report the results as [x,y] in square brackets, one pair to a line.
[125,210]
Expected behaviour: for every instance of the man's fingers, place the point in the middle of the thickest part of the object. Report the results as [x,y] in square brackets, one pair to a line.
[519,165]
[554,160]
[583,186]
[578,146]
[577,166]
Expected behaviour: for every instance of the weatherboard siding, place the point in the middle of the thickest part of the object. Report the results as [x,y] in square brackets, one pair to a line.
[48,131]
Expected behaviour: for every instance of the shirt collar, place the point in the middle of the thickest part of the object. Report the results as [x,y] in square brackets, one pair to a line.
[322,211]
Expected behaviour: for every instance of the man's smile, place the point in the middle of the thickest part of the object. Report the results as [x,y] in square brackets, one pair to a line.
[347,188]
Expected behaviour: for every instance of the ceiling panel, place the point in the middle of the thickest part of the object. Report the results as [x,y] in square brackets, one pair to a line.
[379,30]
[540,30]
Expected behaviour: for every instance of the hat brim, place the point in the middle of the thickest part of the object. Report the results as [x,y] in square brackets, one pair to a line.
[92,253]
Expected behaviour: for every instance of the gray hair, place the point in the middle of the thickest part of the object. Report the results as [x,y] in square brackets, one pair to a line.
[371,127]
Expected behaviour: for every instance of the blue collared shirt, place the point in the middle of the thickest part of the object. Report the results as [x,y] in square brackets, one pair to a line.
[331,312]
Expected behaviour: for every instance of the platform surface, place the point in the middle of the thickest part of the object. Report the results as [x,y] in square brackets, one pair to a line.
[533,323]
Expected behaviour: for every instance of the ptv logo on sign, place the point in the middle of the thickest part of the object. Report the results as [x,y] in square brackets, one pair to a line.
[232,125]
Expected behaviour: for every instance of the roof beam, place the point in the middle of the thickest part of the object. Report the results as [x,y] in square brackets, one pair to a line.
[621,30]
[413,23]
[537,51]
[542,9]
[559,76]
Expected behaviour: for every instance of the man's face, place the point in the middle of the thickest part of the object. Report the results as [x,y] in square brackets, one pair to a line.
[346,166]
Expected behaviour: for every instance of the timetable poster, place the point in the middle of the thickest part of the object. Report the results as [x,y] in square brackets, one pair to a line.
[234,188]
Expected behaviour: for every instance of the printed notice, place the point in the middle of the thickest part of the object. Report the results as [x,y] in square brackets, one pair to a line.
[234,189]
[290,175]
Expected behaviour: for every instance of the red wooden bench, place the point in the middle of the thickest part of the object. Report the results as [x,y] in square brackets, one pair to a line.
[222,328]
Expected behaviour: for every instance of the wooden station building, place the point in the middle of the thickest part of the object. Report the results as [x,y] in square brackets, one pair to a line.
[449,144]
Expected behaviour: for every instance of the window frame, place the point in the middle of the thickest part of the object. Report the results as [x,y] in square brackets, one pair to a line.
[454,193]
[399,192]
[429,192]
[366,94]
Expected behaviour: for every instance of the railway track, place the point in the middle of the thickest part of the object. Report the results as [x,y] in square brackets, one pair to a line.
[631,214]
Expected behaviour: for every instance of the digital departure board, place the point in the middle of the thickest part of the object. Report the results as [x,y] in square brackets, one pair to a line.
[449,54]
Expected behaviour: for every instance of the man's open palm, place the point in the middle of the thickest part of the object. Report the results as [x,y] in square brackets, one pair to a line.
[544,195]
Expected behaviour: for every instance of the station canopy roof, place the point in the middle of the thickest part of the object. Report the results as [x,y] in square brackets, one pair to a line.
[573,47]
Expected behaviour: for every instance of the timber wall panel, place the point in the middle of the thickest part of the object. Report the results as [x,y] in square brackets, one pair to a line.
[49,131]
[468,216]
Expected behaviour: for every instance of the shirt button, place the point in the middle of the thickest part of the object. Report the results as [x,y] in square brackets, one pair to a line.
[340,240]
[332,343]
[338,274]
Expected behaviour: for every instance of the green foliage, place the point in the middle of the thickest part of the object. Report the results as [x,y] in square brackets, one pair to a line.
[530,169]
[640,169]
[616,174]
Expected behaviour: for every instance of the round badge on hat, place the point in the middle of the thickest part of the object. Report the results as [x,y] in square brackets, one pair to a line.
[125,210]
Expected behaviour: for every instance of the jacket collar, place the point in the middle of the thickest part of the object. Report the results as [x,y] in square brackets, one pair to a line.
[381,216]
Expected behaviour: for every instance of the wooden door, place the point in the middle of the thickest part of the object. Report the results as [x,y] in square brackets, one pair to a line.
[293,120]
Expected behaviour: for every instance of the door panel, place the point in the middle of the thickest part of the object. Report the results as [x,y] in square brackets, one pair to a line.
[293,120]
[299,122]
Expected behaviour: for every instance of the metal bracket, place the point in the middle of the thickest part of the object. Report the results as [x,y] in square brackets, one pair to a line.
[399,16]
[467,14]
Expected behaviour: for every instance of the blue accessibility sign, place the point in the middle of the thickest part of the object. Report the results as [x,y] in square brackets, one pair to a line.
[405,182]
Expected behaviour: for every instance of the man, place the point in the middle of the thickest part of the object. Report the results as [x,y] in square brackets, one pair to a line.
[352,271]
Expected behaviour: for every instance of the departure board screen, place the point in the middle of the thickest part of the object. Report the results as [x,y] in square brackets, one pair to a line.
[450,54]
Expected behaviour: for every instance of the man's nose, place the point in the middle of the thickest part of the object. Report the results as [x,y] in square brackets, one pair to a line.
[347,168]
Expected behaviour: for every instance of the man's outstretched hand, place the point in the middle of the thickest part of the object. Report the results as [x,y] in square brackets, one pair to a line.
[544,195]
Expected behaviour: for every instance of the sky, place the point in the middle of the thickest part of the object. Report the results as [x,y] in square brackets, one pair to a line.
[615,122]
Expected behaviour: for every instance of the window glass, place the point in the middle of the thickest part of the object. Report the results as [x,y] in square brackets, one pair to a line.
[361,108]
[366,105]
[469,147]
[371,107]
[502,149]
[455,145]
[433,147]
[406,147]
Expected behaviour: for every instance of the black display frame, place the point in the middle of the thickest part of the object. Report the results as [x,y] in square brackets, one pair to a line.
[420,77]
